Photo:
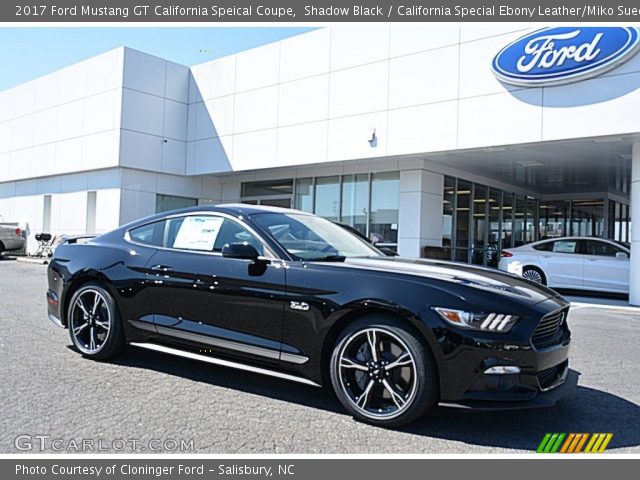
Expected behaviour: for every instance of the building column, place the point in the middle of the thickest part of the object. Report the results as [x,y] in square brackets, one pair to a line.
[420,213]
[634,270]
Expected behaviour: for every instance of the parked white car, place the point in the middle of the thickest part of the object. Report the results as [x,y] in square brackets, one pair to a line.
[581,263]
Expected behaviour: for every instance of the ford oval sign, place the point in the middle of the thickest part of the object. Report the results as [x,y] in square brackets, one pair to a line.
[557,55]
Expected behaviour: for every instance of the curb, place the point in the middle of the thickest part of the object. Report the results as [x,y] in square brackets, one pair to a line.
[36,261]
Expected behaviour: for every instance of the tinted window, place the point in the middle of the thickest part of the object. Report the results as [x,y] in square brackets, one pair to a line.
[204,233]
[565,246]
[544,247]
[594,247]
[151,234]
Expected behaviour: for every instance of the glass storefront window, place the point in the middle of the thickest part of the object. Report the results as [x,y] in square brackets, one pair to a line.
[625,233]
[165,203]
[267,188]
[495,227]
[554,218]
[519,221]
[385,200]
[530,225]
[304,195]
[587,218]
[448,206]
[479,230]
[355,201]
[507,220]
[328,197]
[462,229]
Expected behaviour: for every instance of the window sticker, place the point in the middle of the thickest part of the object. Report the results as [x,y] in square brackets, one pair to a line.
[198,233]
[564,247]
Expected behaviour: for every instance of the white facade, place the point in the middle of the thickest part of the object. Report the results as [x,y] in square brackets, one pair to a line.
[419,101]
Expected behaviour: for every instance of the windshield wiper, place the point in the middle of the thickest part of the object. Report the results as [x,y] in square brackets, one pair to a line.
[328,258]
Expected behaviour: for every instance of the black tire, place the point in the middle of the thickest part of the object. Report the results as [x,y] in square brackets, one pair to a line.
[534,274]
[107,345]
[348,381]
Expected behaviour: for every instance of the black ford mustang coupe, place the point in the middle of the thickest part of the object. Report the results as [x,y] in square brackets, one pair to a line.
[291,295]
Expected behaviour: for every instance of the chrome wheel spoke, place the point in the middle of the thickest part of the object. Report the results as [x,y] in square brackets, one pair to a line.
[80,328]
[92,340]
[362,400]
[350,364]
[103,325]
[403,360]
[80,304]
[372,339]
[398,399]
[96,302]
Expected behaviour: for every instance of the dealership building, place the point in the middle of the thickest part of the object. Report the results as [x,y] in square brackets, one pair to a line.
[407,134]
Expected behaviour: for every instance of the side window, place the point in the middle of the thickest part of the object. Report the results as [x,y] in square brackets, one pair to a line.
[151,234]
[594,247]
[204,233]
[194,233]
[565,246]
[545,247]
[233,232]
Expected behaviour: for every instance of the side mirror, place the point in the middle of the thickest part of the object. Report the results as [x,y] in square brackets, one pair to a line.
[621,255]
[244,251]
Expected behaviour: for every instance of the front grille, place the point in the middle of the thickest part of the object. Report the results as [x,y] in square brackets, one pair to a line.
[548,330]
[547,378]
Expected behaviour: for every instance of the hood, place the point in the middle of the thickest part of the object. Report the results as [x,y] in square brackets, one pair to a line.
[459,274]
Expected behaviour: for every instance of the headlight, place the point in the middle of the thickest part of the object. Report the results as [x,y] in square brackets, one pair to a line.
[486,322]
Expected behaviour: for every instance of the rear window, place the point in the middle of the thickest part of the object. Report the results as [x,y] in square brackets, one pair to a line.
[544,247]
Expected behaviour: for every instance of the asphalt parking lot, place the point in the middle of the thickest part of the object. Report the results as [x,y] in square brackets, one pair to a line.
[145,399]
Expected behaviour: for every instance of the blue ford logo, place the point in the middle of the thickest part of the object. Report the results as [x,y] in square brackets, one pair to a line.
[553,56]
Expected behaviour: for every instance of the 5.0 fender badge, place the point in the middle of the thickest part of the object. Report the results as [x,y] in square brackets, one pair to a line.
[299,306]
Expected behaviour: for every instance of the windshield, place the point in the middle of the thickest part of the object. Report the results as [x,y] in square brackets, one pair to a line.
[306,237]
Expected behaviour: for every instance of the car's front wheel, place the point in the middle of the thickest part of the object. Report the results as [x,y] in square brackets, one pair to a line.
[383,373]
[94,323]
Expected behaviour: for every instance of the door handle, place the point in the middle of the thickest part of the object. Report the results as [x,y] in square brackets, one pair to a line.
[162,268]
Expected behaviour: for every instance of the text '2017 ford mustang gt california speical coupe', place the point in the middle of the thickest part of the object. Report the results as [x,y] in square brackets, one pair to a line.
[291,295]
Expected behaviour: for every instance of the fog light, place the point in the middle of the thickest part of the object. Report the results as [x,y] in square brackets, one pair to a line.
[502,370]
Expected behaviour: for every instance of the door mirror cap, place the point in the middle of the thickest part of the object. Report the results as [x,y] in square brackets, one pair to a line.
[243,250]
[621,255]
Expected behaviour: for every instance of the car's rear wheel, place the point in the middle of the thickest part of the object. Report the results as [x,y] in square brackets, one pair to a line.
[534,274]
[94,323]
[383,373]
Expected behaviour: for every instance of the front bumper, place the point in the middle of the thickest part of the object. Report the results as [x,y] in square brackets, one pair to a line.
[542,399]
[525,368]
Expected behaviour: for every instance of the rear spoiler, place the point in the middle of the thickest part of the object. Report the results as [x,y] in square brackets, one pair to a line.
[76,239]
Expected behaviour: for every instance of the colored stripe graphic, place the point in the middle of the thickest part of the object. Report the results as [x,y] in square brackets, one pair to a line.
[574,443]
[551,443]
[581,443]
[598,442]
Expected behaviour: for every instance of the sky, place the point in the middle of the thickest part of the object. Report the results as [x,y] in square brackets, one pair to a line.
[28,53]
